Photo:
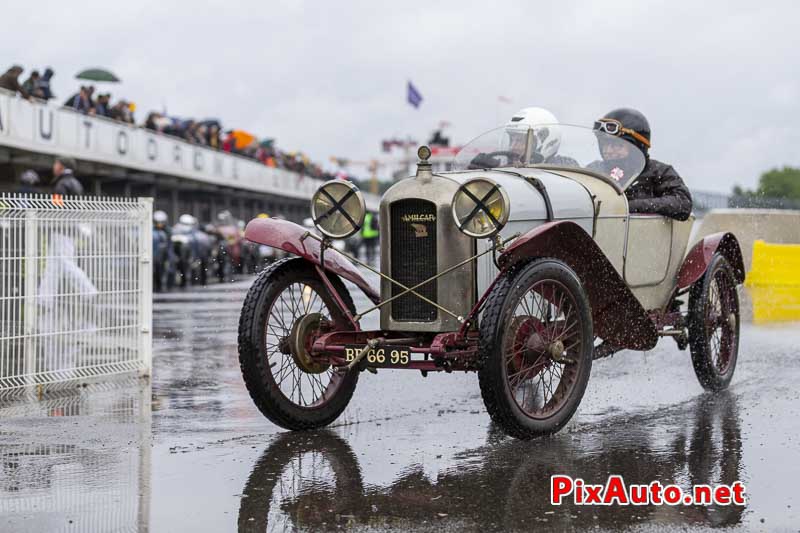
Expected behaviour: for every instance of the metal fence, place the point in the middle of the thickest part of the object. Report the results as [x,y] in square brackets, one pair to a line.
[75,288]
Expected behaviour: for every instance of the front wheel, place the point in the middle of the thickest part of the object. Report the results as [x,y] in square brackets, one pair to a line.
[714,325]
[536,343]
[286,308]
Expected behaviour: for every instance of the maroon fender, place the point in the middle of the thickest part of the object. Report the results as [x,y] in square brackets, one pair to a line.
[699,257]
[617,315]
[288,236]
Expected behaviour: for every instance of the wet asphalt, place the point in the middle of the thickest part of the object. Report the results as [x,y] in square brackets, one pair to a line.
[188,451]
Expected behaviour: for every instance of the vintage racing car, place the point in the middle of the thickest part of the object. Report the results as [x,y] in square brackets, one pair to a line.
[572,278]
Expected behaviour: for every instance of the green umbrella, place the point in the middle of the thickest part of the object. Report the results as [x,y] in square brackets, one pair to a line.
[97,74]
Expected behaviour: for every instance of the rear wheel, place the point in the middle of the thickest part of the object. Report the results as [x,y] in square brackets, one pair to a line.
[536,345]
[714,325]
[285,309]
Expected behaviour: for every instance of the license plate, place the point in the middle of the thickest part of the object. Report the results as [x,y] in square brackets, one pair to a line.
[383,357]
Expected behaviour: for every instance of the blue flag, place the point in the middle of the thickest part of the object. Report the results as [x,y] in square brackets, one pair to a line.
[414,98]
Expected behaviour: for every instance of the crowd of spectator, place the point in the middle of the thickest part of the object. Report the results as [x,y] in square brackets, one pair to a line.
[207,132]
[36,86]
[85,102]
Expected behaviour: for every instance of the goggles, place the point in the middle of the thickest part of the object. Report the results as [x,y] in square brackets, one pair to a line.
[615,127]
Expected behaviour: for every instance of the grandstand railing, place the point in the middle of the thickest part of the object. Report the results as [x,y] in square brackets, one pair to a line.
[75,289]
[48,128]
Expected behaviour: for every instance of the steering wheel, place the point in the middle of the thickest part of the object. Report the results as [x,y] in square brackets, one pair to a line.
[478,159]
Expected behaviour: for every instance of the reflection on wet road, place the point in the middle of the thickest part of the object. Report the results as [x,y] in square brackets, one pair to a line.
[193,453]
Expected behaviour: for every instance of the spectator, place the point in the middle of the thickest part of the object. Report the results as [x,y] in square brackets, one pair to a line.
[80,101]
[157,122]
[29,181]
[43,85]
[229,142]
[90,96]
[129,118]
[10,81]
[370,235]
[150,122]
[103,105]
[213,136]
[122,112]
[194,132]
[64,180]
[30,84]
[62,274]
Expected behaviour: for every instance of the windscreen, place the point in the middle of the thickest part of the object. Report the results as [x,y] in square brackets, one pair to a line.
[561,145]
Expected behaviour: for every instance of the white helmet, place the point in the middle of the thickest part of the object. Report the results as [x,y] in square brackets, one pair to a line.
[160,217]
[187,220]
[548,140]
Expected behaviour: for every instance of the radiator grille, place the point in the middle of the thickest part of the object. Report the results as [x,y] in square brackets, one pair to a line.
[413,258]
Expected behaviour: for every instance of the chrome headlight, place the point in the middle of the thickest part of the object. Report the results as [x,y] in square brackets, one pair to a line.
[480,208]
[338,209]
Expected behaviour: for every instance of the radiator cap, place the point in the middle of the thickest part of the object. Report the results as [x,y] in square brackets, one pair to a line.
[423,166]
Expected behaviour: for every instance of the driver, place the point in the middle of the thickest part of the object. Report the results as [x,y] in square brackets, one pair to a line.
[546,141]
[658,189]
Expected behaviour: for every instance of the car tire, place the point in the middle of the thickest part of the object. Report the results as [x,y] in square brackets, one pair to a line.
[257,361]
[518,345]
[714,303]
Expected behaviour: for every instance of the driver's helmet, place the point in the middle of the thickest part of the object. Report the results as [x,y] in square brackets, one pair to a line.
[160,219]
[187,220]
[546,139]
[628,124]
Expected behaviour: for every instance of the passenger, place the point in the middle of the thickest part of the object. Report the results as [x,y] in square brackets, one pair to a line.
[658,189]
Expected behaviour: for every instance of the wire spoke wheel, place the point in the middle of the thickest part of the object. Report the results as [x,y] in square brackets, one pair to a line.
[536,344]
[540,349]
[286,309]
[714,325]
[291,376]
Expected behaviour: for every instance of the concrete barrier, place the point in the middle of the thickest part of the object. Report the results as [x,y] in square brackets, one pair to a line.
[778,226]
[762,300]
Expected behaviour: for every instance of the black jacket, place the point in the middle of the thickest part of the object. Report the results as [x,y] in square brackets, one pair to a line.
[659,190]
[67,184]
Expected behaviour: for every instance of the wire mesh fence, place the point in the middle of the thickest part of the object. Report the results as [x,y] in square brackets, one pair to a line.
[75,288]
